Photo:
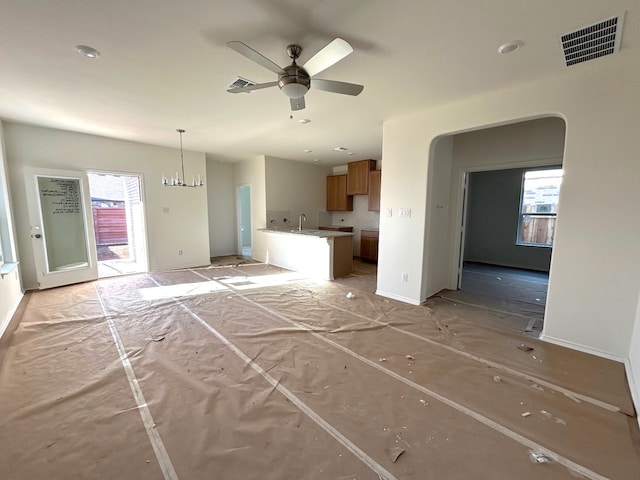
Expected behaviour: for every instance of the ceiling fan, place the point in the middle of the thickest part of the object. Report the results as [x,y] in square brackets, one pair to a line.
[294,80]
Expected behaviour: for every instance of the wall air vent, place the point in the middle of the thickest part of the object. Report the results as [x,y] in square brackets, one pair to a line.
[240,82]
[593,41]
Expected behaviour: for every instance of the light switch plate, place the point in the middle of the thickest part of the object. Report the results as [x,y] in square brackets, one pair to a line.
[389,212]
[405,212]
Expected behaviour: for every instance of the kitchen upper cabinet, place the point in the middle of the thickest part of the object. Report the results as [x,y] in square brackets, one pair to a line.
[337,198]
[369,245]
[358,176]
[375,179]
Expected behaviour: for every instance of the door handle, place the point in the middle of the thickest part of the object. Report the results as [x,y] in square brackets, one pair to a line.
[37,235]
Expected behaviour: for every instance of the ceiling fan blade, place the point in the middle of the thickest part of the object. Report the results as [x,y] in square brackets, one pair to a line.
[251,88]
[297,104]
[327,56]
[251,54]
[336,87]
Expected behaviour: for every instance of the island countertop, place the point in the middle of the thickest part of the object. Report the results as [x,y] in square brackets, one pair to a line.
[307,232]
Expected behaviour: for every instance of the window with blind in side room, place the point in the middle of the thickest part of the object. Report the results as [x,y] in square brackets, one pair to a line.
[539,207]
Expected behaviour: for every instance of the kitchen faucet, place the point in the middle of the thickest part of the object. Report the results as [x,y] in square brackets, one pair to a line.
[302,218]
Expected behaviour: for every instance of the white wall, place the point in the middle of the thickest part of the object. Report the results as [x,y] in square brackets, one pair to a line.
[296,187]
[10,286]
[633,364]
[10,296]
[439,214]
[252,172]
[222,208]
[593,291]
[176,218]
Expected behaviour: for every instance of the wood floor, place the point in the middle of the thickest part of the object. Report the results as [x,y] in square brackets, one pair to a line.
[520,293]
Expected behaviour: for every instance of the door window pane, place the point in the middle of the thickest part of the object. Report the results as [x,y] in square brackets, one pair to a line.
[62,212]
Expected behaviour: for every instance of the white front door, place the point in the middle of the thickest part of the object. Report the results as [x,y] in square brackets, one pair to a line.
[62,233]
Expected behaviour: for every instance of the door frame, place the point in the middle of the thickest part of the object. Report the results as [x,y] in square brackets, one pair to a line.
[461,205]
[145,231]
[239,217]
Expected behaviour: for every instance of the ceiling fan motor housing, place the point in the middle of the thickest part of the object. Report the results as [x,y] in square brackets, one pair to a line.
[295,82]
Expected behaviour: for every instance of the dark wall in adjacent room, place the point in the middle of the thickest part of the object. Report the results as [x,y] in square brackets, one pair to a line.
[492,222]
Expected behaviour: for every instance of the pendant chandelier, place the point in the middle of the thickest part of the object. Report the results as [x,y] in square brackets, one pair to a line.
[179,181]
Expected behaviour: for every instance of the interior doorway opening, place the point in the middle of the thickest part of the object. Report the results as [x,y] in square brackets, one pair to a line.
[508,225]
[118,219]
[455,159]
[243,198]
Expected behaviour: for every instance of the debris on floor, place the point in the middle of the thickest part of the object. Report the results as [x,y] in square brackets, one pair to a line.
[159,336]
[525,348]
[394,453]
[539,457]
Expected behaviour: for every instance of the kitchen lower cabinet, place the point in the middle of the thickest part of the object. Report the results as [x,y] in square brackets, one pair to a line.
[369,245]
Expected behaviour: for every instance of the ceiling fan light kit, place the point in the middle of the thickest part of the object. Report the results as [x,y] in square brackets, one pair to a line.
[294,80]
[178,181]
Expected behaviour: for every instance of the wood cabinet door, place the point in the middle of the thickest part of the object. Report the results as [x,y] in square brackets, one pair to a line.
[358,176]
[337,199]
[375,180]
[369,249]
[369,245]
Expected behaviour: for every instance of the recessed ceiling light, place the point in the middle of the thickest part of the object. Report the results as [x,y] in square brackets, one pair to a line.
[351,153]
[307,150]
[316,159]
[88,52]
[510,47]
[341,149]
[304,121]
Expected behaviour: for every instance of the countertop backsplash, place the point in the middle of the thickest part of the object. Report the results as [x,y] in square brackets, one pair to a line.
[360,219]
[283,219]
[279,218]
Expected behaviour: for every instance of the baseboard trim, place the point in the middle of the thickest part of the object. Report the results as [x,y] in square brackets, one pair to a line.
[582,348]
[400,298]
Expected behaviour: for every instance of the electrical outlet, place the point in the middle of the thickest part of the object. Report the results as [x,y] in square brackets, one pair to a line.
[179,252]
[405,277]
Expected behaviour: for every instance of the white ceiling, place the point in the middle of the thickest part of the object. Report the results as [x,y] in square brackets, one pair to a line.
[164,65]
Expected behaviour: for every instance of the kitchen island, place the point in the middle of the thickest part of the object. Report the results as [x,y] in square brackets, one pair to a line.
[320,254]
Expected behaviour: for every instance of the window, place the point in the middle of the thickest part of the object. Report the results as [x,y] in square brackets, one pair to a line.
[539,206]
